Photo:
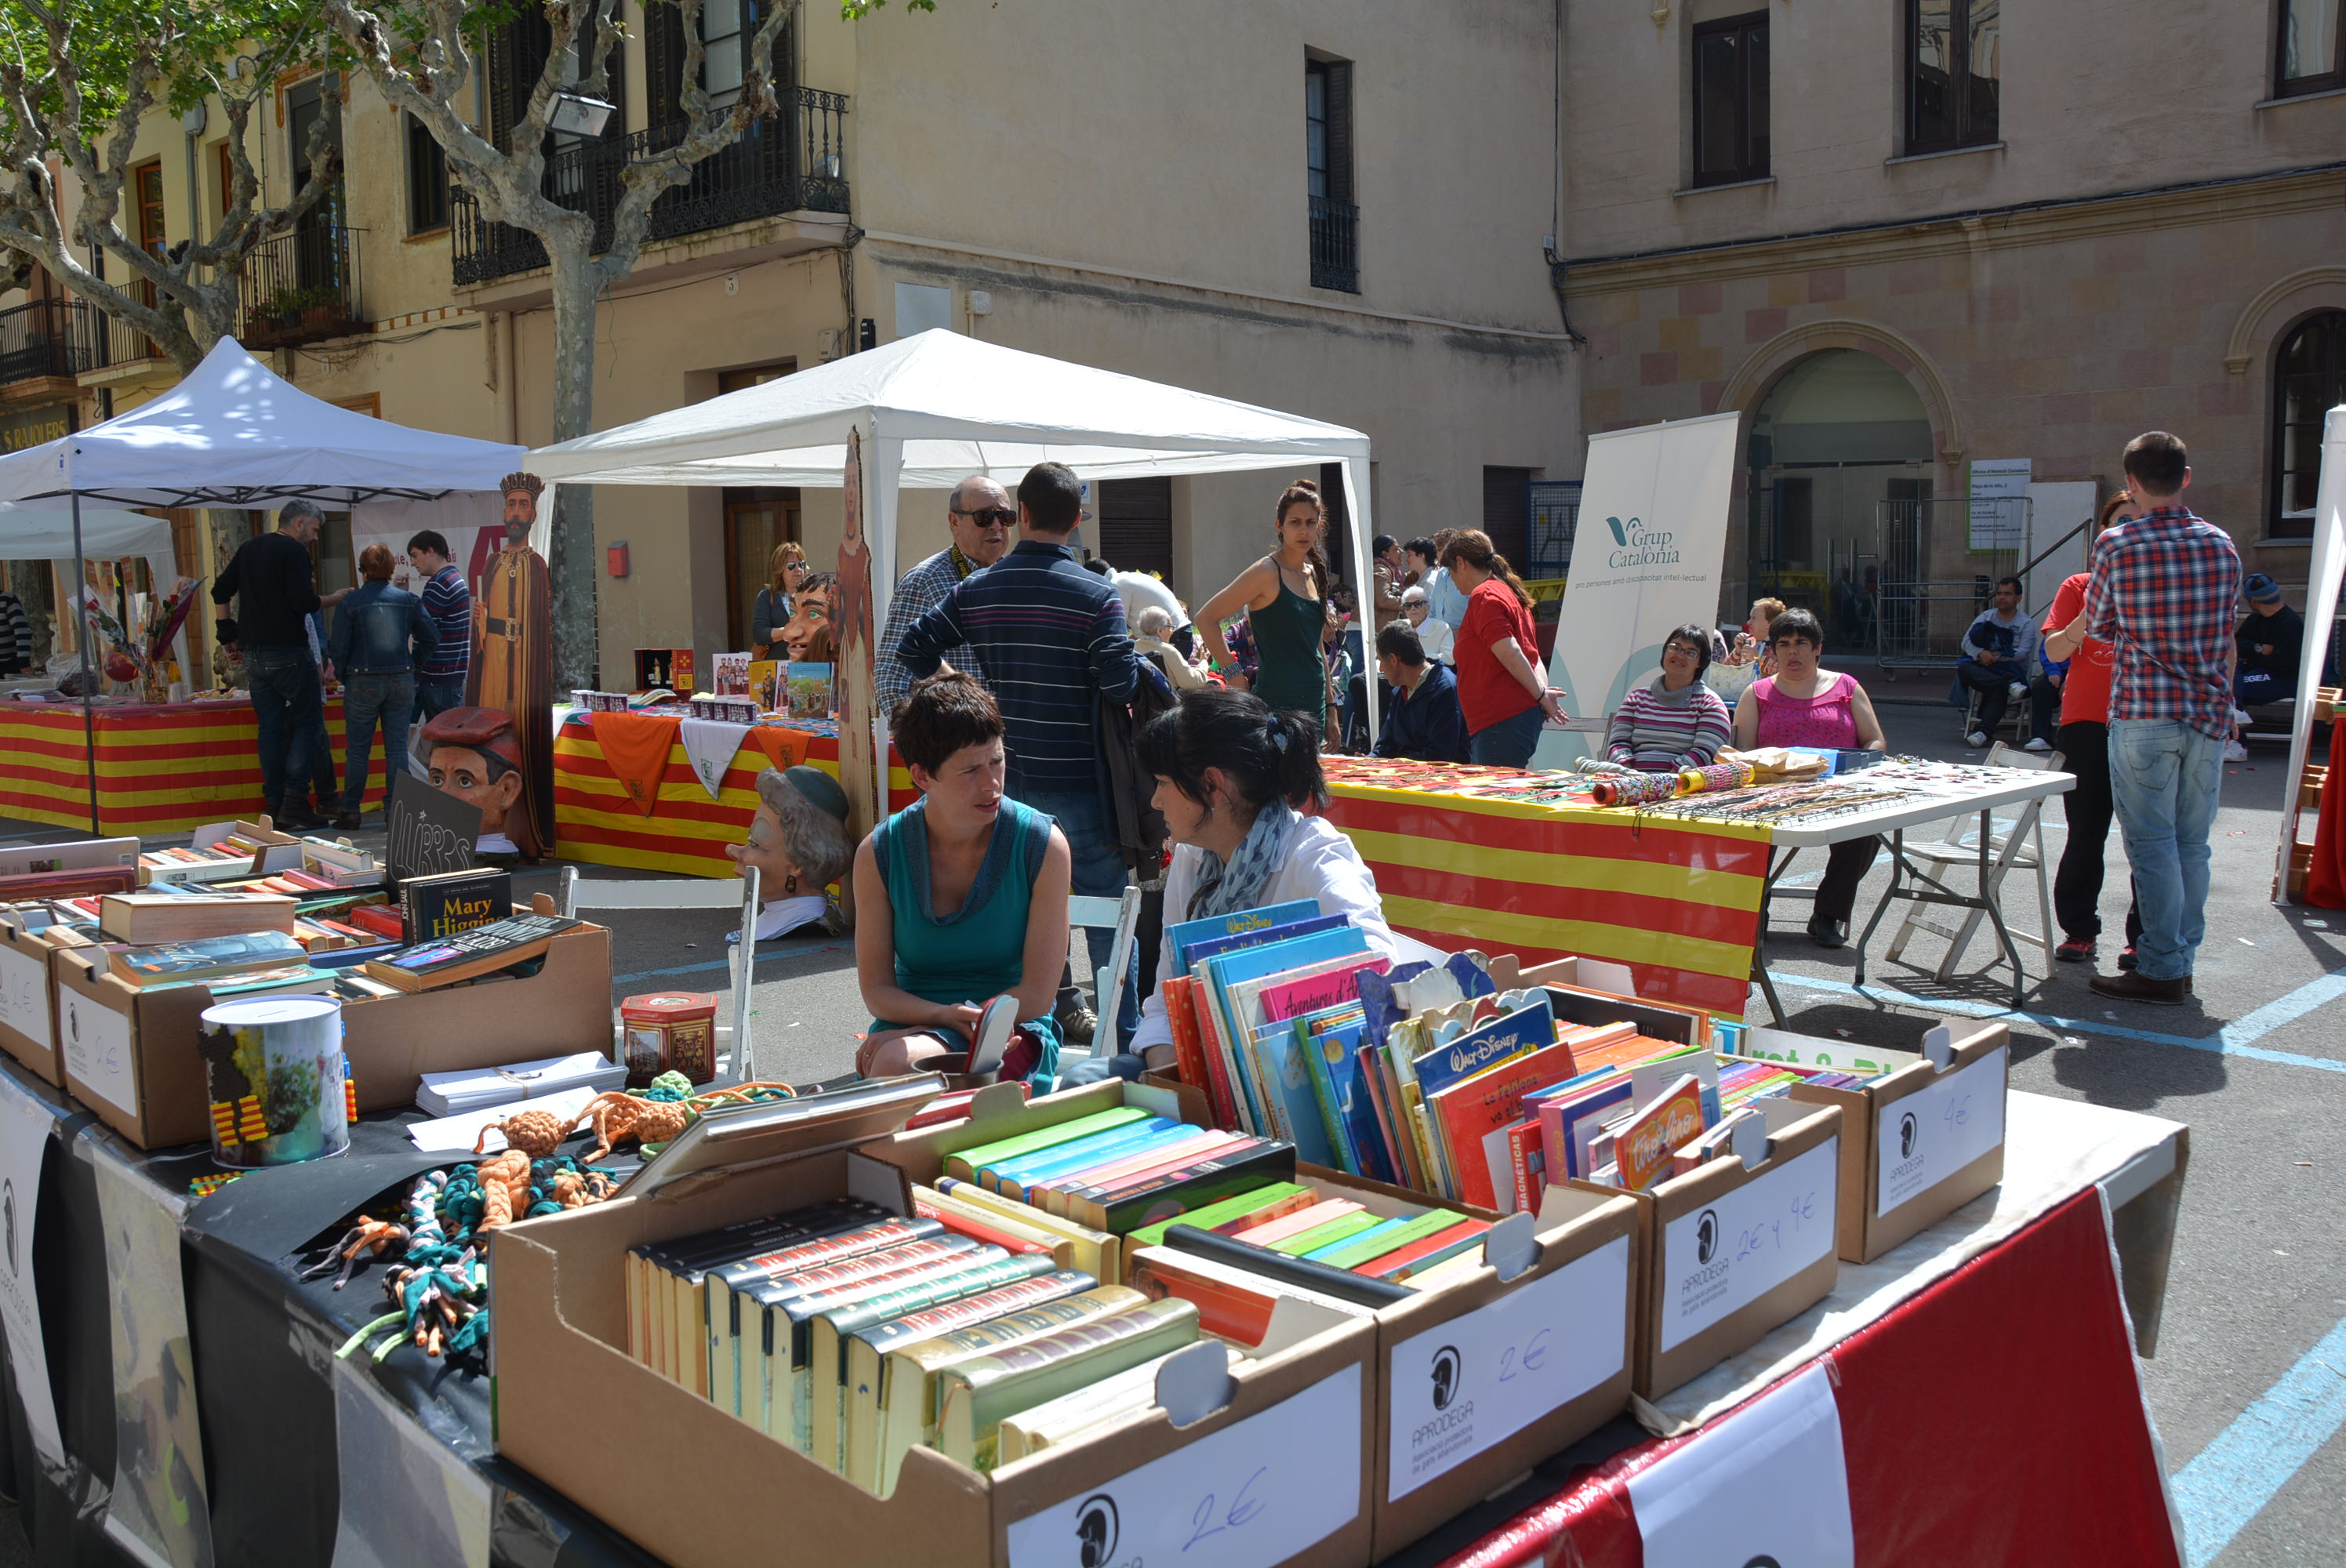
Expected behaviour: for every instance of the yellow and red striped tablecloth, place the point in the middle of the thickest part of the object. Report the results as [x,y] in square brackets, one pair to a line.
[1678,903]
[160,769]
[686,833]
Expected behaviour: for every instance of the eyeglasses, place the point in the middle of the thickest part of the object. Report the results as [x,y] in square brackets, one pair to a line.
[1683,650]
[989,516]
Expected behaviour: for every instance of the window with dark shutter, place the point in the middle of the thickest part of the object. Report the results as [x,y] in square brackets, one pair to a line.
[427,179]
[1328,169]
[1954,69]
[516,59]
[664,64]
[1730,100]
[1507,512]
[1135,524]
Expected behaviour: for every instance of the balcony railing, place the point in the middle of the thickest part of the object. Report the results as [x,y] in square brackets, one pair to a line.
[95,341]
[36,341]
[1335,245]
[302,287]
[788,162]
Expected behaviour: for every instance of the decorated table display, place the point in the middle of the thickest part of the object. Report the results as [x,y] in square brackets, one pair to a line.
[664,791]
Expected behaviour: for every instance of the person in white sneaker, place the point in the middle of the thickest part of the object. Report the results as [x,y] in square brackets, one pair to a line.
[2001,663]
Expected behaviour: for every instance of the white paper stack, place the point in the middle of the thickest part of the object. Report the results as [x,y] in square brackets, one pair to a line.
[457,1134]
[478,1088]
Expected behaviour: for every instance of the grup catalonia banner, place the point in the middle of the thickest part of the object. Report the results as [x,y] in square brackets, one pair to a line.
[1646,559]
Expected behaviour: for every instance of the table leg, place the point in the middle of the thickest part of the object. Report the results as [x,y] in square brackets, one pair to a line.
[1889,897]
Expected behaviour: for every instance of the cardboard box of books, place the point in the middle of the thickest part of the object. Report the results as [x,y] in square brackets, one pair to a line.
[223,851]
[28,998]
[1740,1243]
[1587,991]
[898,1389]
[1917,1142]
[393,1039]
[1497,1344]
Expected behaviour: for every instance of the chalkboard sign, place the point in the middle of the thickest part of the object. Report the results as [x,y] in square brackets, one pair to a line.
[431,831]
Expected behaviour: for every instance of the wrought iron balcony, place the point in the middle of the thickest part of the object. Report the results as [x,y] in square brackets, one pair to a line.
[788,162]
[301,288]
[1335,245]
[36,341]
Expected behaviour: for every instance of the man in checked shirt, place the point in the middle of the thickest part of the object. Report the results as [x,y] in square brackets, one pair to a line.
[2161,592]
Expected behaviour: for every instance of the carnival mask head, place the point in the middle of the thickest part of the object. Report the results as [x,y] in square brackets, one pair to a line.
[798,840]
[472,753]
[809,634]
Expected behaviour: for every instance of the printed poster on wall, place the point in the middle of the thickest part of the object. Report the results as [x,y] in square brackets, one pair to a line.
[1646,559]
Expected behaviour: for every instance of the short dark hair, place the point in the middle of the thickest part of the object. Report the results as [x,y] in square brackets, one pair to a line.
[1380,544]
[1266,756]
[1052,497]
[1399,639]
[2156,461]
[1796,625]
[429,539]
[1700,636]
[1422,548]
[941,716]
[2017,586]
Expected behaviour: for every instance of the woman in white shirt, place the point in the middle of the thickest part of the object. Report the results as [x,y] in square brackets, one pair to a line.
[1232,779]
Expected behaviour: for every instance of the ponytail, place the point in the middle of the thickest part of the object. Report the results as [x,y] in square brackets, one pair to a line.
[1474,547]
[1265,755]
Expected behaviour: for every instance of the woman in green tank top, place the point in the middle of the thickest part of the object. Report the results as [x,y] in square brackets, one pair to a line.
[961,925]
[1285,596]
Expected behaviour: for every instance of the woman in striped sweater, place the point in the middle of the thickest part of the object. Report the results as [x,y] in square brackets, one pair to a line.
[1676,722]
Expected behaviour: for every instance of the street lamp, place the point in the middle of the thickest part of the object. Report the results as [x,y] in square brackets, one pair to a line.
[576,114]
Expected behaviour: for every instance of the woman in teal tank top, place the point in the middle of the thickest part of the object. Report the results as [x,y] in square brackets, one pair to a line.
[961,901]
[1285,596]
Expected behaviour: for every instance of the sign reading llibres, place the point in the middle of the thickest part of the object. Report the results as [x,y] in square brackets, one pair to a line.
[1935,1132]
[1249,1496]
[1730,1254]
[1484,1376]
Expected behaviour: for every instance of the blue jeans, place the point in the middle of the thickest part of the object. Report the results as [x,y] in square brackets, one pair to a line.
[1098,872]
[291,710]
[367,700]
[2164,779]
[434,698]
[1510,742]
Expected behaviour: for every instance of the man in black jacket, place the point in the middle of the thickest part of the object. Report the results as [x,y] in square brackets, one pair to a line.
[271,579]
[1423,719]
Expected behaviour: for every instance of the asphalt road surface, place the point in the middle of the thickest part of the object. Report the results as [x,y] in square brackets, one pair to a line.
[2248,1387]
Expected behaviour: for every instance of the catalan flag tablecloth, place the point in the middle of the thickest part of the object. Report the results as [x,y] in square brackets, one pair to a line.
[161,769]
[599,817]
[1678,902]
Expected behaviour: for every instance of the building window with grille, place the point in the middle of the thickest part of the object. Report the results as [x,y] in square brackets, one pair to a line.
[1953,67]
[1730,100]
[2312,48]
[1328,164]
[2309,381]
[1507,512]
[427,180]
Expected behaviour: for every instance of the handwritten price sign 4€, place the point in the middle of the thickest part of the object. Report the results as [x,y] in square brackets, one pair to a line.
[1250,1495]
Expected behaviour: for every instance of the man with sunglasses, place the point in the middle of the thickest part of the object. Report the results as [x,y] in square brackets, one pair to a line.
[979,513]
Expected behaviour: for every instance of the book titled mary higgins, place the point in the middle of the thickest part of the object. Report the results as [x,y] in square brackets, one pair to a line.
[1644,1145]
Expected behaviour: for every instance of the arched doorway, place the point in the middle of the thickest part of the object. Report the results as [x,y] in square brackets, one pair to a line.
[1839,433]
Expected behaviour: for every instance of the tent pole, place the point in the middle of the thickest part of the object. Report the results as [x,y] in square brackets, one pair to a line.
[81,641]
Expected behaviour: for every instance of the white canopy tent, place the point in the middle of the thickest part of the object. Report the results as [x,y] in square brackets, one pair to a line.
[234,433]
[2325,573]
[937,407]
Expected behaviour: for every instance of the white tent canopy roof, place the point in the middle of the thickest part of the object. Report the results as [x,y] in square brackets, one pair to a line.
[234,433]
[46,533]
[960,407]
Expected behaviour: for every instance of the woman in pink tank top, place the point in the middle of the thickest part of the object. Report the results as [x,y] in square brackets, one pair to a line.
[1802,705]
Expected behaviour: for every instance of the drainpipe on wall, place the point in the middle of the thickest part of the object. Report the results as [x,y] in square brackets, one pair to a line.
[1556,269]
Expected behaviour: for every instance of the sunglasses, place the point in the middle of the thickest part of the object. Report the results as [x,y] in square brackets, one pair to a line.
[990,516]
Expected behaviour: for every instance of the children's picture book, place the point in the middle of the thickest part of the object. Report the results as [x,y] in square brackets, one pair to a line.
[730,675]
[768,684]
[1644,1144]
[809,691]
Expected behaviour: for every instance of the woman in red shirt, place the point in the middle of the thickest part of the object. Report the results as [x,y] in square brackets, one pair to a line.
[2084,746]
[1505,696]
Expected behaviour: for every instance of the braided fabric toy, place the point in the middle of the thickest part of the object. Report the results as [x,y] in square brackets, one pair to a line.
[440,1290]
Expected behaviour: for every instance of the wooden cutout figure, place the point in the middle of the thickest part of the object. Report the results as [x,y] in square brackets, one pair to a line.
[852,676]
[513,664]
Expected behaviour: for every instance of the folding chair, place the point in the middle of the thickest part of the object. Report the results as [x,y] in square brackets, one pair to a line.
[1121,915]
[2022,847]
[2015,714]
[575,894]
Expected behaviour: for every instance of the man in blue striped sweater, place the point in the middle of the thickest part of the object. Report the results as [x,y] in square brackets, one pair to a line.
[440,680]
[1051,641]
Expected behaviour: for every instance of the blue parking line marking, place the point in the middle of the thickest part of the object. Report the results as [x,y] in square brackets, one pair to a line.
[2229,1482]
[2232,1040]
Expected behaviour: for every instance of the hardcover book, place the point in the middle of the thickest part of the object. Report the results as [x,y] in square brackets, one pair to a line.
[206,959]
[439,906]
[977,1394]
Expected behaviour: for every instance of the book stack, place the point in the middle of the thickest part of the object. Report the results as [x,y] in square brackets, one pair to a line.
[235,966]
[854,1336]
[469,954]
[229,859]
[339,865]
[476,1088]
